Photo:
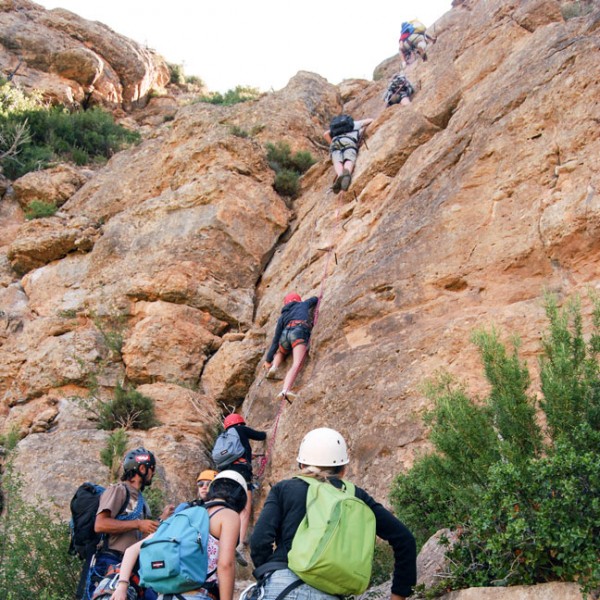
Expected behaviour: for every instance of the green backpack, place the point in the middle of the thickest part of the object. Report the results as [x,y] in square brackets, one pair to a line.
[332,549]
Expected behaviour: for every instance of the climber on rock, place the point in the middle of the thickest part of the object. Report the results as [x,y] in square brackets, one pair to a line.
[413,41]
[344,137]
[292,334]
[399,90]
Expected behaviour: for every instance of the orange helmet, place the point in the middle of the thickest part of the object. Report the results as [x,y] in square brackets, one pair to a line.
[207,475]
[292,297]
[233,419]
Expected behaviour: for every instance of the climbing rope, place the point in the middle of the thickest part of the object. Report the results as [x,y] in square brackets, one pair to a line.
[263,459]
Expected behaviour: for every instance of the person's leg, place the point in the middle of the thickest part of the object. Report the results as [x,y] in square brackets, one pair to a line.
[338,166]
[278,359]
[245,517]
[405,100]
[298,353]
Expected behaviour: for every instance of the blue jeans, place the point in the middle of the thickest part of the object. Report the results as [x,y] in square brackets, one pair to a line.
[281,578]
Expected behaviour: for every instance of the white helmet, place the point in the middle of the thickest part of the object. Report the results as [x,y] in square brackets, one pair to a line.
[231,474]
[323,447]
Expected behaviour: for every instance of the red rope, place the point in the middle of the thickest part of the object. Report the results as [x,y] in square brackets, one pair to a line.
[264,460]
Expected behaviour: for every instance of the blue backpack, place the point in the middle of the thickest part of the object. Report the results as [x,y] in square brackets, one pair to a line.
[175,559]
[407,28]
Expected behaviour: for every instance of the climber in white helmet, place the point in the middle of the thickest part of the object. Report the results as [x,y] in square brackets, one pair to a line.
[322,460]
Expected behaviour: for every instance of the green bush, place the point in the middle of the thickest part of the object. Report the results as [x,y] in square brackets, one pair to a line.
[279,156]
[129,409]
[37,209]
[238,131]
[241,93]
[111,455]
[287,167]
[383,563]
[528,511]
[34,562]
[536,522]
[194,80]
[176,74]
[287,183]
[54,133]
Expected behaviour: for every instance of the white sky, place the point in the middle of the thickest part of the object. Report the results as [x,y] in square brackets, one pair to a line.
[262,43]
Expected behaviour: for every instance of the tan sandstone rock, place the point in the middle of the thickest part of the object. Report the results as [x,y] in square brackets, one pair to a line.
[54,186]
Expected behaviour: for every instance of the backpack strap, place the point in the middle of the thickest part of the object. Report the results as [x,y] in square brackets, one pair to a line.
[119,516]
[289,588]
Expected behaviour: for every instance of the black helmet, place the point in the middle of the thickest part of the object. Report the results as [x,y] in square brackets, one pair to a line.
[140,456]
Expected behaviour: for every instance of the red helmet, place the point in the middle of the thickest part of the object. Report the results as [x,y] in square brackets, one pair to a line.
[233,419]
[292,297]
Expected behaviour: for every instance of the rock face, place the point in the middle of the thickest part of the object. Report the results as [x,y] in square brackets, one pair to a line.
[464,208]
[74,61]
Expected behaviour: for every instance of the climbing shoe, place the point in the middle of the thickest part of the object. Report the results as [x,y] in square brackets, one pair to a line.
[337,184]
[273,373]
[346,178]
[240,556]
[289,396]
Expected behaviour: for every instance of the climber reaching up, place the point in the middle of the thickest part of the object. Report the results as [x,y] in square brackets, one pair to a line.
[344,136]
[413,41]
[291,335]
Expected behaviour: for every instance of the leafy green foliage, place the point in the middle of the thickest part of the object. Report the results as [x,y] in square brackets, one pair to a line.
[241,93]
[527,511]
[383,563]
[176,74]
[279,156]
[37,209]
[112,453]
[536,522]
[287,183]
[111,326]
[156,496]
[34,562]
[53,133]
[129,409]
[287,167]
[569,370]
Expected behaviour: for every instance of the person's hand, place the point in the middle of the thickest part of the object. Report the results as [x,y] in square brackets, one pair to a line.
[147,526]
[167,512]
[120,592]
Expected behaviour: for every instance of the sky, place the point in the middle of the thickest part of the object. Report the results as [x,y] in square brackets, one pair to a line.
[262,43]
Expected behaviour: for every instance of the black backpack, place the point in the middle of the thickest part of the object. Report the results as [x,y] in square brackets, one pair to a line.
[84,506]
[340,125]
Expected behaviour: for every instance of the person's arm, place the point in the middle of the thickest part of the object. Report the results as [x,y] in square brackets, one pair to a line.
[327,136]
[127,564]
[402,541]
[106,524]
[274,343]
[265,531]
[254,434]
[168,510]
[112,502]
[228,525]
[312,302]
